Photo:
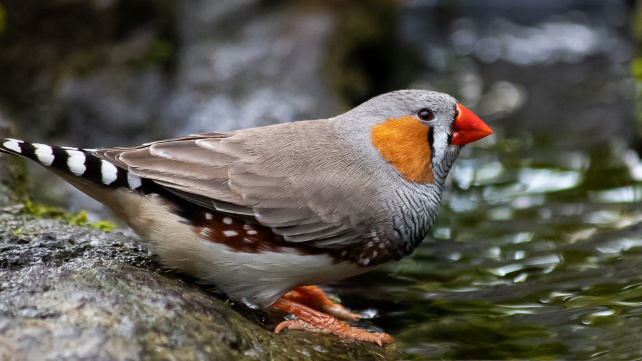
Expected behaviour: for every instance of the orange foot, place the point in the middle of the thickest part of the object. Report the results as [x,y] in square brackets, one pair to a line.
[313,296]
[310,319]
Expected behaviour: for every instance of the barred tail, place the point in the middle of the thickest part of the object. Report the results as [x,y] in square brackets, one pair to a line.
[76,162]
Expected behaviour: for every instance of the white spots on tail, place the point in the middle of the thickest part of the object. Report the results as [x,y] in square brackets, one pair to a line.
[133,181]
[230,233]
[13,144]
[109,172]
[76,162]
[44,153]
[227,220]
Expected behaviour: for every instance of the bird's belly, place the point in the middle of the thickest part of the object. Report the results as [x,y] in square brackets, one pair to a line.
[261,278]
[257,277]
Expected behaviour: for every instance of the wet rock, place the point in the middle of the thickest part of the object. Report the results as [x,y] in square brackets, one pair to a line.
[267,71]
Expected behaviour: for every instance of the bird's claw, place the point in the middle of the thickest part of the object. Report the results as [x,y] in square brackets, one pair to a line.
[338,328]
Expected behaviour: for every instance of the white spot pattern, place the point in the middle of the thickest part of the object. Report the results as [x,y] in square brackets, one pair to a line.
[251,232]
[208,216]
[230,233]
[44,153]
[227,220]
[134,181]
[109,172]
[13,144]
[76,162]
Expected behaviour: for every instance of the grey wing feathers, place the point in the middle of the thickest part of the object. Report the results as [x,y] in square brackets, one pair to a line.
[225,173]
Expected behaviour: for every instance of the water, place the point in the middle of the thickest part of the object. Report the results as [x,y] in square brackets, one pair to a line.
[537,250]
[537,261]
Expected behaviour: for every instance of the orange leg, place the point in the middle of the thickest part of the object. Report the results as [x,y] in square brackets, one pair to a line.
[314,297]
[312,320]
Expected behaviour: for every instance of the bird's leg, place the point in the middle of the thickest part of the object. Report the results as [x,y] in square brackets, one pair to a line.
[314,297]
[310,319]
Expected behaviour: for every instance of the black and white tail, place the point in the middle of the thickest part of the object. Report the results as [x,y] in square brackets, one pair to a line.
[68,161]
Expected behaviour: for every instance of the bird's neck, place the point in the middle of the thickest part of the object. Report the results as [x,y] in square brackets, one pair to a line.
[425,199]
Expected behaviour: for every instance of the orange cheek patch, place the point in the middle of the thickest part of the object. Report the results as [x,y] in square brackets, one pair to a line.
[404,143]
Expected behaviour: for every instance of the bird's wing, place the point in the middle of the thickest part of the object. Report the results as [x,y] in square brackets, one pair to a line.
[279,176]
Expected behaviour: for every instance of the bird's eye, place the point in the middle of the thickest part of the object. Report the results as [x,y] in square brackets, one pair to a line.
[426,114]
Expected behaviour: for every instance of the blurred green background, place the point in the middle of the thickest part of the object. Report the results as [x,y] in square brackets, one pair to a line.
[537,251]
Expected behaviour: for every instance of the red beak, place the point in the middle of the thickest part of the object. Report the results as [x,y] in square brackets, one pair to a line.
[468,128]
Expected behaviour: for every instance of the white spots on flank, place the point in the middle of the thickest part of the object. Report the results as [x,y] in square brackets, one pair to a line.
[208,216]
[382,245]
[76,162]
[133,181]
[44,153]
[374,254]
[249,229]
[13,144]
[227,220]
[205,232]
[109,172]
[230,233]
[366,261]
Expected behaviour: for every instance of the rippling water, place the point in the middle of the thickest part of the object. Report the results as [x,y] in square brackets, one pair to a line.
[537,250]
[536,254]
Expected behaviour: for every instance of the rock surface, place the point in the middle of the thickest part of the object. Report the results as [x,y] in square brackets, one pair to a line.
[77,293]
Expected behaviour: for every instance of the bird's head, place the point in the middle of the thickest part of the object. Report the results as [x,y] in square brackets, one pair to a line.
[418,131]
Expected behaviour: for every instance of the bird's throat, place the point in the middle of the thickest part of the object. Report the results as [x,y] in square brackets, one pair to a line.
[403,142]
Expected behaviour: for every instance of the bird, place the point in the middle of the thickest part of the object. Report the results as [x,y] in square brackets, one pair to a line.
[267,213]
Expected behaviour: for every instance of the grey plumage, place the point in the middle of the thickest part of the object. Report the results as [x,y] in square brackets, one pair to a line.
[320,183]
[321,177]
